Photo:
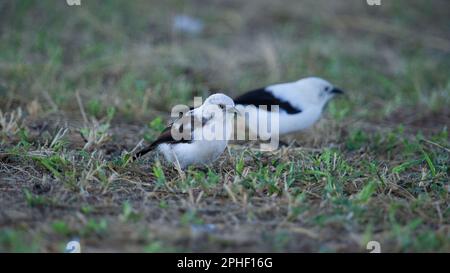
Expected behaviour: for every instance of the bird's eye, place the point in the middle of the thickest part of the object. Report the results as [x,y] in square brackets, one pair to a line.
[327,89]
[222,106]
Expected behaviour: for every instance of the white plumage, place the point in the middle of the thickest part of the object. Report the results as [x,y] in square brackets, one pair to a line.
[208,129]
[300,105]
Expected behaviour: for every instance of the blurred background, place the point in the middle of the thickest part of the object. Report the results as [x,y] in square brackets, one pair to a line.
[129,62]
[138,56]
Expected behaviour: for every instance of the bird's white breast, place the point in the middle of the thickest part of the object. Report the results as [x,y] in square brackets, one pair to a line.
[200,151]
[281,123]
[297,122]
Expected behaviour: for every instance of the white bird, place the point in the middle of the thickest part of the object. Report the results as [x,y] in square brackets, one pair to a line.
[300,105]
[200,136]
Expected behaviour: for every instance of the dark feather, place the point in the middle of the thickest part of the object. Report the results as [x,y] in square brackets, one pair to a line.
[263,97]
[166,135]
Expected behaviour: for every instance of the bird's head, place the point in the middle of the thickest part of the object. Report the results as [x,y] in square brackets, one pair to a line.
[219,103]
[315,91]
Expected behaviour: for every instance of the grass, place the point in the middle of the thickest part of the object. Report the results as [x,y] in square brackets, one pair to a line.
[81,87]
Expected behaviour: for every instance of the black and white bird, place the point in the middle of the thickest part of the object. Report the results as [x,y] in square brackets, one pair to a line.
[300,104]
[198,137]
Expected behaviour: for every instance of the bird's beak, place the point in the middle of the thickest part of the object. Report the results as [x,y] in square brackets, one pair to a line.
[234,110]
[336,90]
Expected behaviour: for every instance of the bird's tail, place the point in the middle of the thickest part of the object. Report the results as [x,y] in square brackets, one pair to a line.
[144,151]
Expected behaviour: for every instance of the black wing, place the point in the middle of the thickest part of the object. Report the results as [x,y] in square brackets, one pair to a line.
[263,97]
[164,137]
